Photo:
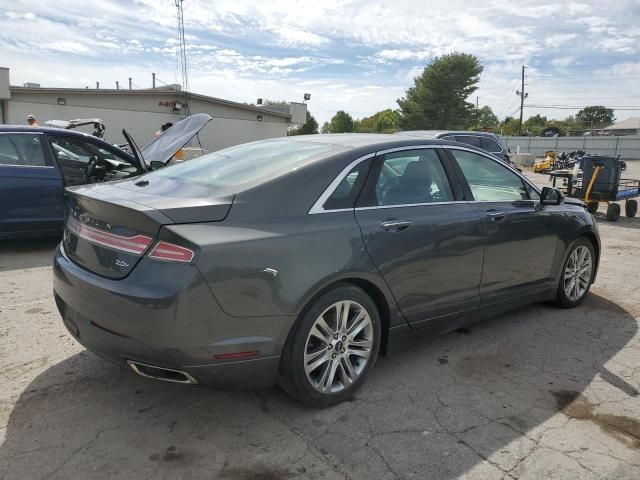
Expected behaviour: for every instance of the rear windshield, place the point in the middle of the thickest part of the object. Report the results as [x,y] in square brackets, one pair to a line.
[246,163]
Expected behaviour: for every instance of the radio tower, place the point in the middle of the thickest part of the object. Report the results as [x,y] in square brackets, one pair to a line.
[182,57]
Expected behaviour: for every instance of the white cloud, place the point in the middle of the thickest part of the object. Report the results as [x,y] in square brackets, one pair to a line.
[564,61]
[242,49]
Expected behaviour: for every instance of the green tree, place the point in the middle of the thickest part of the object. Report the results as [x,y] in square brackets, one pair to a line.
[383,121]
[325,127]
[510,126]
[307,128]
[535,124]
[341,122]
[437,99]
[485,118]
[595,116]
[387,121]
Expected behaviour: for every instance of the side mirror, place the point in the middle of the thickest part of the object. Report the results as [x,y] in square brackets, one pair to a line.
[551,196]
[155,165]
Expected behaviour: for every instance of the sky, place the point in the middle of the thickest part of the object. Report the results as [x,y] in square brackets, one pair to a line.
[354,56]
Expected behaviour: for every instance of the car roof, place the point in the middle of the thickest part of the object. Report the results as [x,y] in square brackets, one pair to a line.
[362,140]
[29,129]
[439,133]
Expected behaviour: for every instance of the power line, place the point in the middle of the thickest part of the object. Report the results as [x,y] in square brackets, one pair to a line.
[592,80]
[580,107]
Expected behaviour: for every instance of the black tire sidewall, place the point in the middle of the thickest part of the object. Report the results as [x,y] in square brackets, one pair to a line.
[631,208]
[294,379]
[561,298]
[613,212]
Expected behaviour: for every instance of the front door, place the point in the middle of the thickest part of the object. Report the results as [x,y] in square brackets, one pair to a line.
[31,190]
[520,242]
[425,241]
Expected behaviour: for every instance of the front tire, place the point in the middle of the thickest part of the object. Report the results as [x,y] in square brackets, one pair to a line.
[332,347]
[577,273]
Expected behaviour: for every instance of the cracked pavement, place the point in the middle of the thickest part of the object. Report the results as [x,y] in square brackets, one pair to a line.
[536,393]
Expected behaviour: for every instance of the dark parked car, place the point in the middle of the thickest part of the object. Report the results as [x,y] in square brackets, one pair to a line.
[37,163]
[298,260]
[487,141]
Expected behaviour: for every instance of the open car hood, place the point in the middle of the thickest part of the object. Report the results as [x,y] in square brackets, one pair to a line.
[163,148]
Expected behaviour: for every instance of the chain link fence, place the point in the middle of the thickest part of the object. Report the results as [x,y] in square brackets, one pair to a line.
[628,147]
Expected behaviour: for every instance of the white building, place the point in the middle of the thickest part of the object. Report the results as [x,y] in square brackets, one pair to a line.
[141,112]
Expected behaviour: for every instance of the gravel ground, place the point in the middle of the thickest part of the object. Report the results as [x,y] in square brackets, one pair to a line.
[536,393]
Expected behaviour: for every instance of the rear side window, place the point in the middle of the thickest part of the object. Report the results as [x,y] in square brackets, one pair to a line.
[346,193]
[409,177]
[490,145]
[23,149]
[488,180]
[469,140]
[246,163]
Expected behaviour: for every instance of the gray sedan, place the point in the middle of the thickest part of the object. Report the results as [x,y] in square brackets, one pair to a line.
[299,260]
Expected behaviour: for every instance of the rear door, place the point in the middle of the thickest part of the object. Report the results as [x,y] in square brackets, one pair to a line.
[31,190]
[520,241]
[424,238]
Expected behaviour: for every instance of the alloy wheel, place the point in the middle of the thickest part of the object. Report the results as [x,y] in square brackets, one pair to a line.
[338,346]
[577,273]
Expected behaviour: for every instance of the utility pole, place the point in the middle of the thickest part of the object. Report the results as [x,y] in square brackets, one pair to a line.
[97,85]
[117,85]
[477,113]
[129,83]
[522,97]
[153,80]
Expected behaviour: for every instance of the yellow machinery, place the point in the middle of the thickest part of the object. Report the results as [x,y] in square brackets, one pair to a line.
[546,165]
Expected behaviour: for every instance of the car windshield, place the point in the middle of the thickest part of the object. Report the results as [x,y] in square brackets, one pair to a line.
[245,163]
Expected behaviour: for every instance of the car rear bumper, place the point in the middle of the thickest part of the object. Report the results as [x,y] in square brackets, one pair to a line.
[166,321]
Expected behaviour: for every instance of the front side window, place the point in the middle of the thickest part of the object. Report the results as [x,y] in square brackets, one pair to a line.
[22,149]
[411,177]
[79,150]
[490,145]
[488,180]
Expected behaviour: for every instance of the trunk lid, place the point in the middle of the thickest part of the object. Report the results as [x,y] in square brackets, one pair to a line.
[110,227]
[163,148]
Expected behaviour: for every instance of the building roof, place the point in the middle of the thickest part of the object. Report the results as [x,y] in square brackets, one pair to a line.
[632,123]
[147,91]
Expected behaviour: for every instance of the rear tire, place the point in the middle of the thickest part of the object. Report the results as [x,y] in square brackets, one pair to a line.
[592,207]
[332,347]
[577,274]
[631,208]
[613,212]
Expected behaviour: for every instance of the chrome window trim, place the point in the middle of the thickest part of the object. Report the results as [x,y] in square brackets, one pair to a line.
[317,207]
[375,207]
[25,166]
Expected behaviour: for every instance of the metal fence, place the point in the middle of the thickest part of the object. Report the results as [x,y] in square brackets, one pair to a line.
[627,147]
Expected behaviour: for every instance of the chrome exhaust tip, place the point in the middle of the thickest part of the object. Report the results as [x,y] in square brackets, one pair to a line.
[161,373]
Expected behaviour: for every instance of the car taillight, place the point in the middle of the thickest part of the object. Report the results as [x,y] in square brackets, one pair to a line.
[173,253]
[136,244]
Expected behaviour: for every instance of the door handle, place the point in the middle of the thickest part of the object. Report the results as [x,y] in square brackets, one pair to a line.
[395,225]
[495,215]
